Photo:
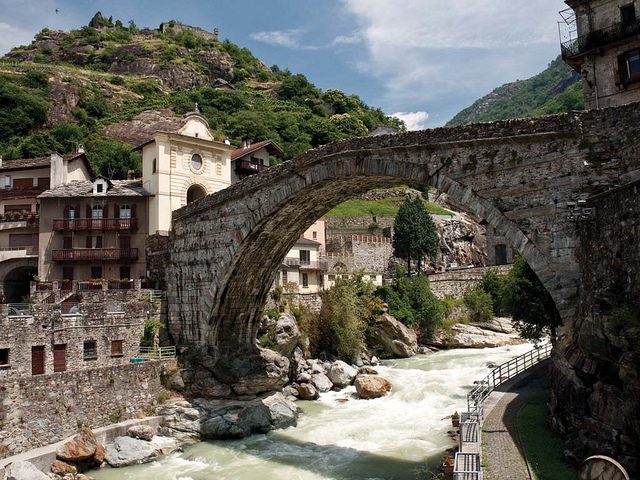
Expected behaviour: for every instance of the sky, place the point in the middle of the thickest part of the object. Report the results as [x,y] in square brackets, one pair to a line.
[421,60]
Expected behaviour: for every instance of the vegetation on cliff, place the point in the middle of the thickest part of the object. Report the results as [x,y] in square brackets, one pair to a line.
[66,87]
[555,90]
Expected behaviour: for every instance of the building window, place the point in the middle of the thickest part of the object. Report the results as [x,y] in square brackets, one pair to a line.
[501,254]
[4,357]
[94,242]
[96,212]
[125,211]
[22,208]
[315,235]
[305,280]
[332,278]
[196,161]
[90,350]
[629,67]
[373,278]
[125,273]
[96,273]
[99,187]
[116,348]
[285,280]
[69,212]
[305,257]
[628,14]
[7,181]
[154,166]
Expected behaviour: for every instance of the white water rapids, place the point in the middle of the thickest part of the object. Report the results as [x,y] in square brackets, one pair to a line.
[340,437]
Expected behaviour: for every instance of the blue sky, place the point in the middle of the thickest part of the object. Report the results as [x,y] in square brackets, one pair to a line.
[423,59]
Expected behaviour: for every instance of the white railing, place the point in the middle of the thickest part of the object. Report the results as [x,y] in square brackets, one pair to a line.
[162,353]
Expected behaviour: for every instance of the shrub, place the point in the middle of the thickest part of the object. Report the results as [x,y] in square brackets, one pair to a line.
[479,304]
[493,284]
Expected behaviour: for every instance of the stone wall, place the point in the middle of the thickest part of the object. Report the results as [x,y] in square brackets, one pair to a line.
[456,282]
[39,410]
[596,383]
[157,253]
[354,253]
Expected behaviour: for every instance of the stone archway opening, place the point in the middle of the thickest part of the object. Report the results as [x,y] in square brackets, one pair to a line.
[17,284]
[195,192]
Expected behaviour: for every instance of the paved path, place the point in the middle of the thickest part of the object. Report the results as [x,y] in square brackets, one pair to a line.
[502,453]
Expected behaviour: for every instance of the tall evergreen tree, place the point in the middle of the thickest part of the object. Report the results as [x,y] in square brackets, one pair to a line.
[415,234]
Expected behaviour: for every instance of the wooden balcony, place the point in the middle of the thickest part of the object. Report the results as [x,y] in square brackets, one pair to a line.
[95,255]
[102,224]
[247,167]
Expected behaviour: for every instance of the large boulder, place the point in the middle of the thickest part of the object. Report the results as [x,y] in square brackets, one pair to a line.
[142,432]
[165,445]
[125,451]
[394,337]
[321,382]
[23,471]
[470,336]
[79,448]
[181,420]
[287,334]
[253,373]
[307,391]
[341,374]
[370,386]
[63,468]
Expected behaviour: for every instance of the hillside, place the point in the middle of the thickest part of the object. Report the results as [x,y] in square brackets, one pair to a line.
[556,89]
[90,86]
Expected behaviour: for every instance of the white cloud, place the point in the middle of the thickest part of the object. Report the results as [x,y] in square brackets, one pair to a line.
[347,39]
[413,120]
[11,36]
[279,38]
[429,54]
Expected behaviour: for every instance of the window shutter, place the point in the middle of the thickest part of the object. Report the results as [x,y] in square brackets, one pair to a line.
[88,241]
[66,211]
[116,211]
[105,211]
[98,242]
[133,210]
[77,212]
[88,211]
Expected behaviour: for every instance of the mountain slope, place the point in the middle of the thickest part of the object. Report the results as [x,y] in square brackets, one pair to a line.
[90,85]
[556,89]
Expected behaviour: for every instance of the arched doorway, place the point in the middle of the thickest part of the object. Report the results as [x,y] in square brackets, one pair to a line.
[17,284]
[195,192]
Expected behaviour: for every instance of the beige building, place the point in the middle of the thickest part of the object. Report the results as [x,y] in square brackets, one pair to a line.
[303,267]
[93,229]
[182,166]
[20,183]
[252,158]
[602,42]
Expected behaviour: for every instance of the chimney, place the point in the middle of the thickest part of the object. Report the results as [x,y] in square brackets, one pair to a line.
[0,160]
[80,148]
[58,175]
[245,142]
[131,175]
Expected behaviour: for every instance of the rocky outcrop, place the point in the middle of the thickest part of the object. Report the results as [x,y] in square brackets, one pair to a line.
[461,335]
[371,386]
[143,126]
[283,333]
[24,471]
[220,419]
[321,382]
[125,451]
[80,448]
[341,374]
[394,338]
[141,432]
[62,468]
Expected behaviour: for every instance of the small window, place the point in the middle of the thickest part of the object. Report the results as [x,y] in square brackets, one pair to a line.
[7,181]
[305,280]
[305,257]
[90,350]
[4,357]
[285,279]
[332,278]
[628,14]
[99,188]
[372,278]
[154,166]
[125,273]
[196,161]
[315,235]
[125,211]
[97,211]
[116,348]
[96,273]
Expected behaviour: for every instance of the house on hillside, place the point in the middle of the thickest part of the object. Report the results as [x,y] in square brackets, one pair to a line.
[253,158]
[303,267]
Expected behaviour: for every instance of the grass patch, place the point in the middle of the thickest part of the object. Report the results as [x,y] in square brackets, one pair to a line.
[542,446]
[386,207]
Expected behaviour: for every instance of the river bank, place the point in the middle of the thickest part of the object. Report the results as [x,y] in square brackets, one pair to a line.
[339,436]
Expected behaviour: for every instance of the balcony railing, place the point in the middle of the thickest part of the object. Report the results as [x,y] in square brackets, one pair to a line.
[305,264]
[95,254]
[599,38]
[248,167]
[79,224]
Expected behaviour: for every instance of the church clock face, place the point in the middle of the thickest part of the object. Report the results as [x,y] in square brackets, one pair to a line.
[196,162]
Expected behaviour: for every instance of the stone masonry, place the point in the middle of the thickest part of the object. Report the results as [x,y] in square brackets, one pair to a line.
[517,175]
[456,283]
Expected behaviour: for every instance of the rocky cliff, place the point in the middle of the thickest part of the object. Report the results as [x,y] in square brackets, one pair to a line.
[596,381]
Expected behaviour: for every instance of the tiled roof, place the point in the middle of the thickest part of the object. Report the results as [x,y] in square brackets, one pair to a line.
[270,145]
[306,241]
[119,188]
[40,162]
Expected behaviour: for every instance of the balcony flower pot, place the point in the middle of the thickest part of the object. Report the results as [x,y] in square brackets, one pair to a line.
[447,466]
[455,420]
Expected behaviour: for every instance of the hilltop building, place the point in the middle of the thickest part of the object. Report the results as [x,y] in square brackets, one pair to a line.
[602,43]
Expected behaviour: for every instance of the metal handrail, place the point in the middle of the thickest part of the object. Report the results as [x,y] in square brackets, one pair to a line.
[597,38]
[504,372]
[161,353]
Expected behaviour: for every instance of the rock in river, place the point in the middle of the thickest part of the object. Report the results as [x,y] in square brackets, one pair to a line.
[341,374]
[370,386]
[125,451]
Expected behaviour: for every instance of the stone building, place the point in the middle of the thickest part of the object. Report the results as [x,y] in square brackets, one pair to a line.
[21,183]
[368,255]
[602,43]
[303,267]
[93,230]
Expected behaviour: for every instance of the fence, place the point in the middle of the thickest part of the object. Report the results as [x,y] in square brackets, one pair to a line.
[161,353]
[468,460]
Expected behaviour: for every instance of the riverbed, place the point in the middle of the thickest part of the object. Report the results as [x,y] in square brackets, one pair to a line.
[398,437]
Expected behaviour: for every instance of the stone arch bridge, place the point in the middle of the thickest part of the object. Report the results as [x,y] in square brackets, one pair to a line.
[517,175]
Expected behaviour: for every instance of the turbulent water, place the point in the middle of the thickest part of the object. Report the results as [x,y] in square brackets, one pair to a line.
[340,437]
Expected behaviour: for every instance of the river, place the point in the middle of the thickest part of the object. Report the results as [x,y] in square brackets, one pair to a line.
[339,437]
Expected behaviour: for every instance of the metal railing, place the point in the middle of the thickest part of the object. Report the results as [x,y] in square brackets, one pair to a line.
[94,254]
[162,353]
[306,264]
[247,166]
[78,224]
[467,467]
[599,38]
[504,372]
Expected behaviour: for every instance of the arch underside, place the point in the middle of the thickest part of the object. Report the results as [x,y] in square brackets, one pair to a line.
[228,246]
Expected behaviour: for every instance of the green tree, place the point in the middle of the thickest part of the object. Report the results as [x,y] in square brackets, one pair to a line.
[112,158]
[479,304]
[415,234]
[493,284]
[533,310]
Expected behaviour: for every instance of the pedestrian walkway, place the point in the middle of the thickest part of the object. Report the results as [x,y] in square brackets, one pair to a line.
[503,455]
